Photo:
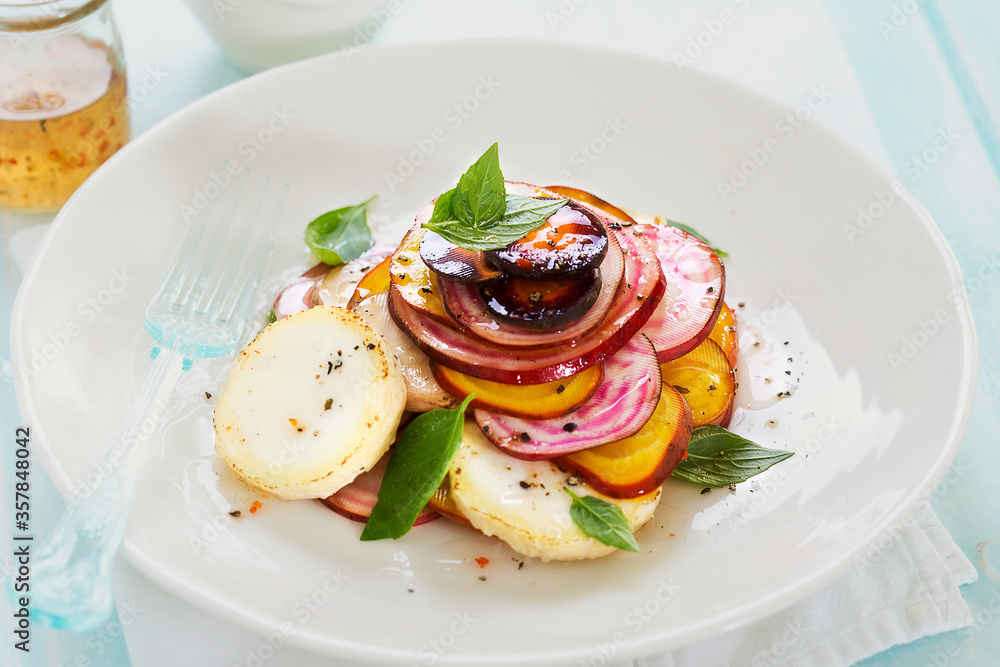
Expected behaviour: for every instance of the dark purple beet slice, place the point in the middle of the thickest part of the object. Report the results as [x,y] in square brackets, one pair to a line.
[544,305]
[464,303]
[455,262]
[622,404]
[572,241]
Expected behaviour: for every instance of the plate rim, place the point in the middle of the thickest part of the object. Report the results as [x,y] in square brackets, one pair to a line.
[764,605]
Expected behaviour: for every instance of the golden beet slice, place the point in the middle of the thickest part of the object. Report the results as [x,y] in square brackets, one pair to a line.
[376,281]
[591,200]
[534,401]
[413,280]
[706,380]
[442,503]
[639,464]
[724,333]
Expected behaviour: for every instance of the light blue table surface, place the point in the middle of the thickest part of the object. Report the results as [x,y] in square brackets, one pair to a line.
[904,69]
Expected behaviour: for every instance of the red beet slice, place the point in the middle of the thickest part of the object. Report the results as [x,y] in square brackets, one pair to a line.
[572,241]
[622,404]
[356,500]
[696,282]
[299,294]
[642,288]
[455,262]
[465,304]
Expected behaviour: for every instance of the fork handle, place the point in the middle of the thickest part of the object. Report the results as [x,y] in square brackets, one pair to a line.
[71,582]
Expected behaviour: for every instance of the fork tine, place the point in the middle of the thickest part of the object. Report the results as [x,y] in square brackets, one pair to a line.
[241,234]
[253,267]
[222,214]
[182,263]
[172,286]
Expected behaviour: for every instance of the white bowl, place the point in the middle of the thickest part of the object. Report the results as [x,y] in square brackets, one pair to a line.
[258,34]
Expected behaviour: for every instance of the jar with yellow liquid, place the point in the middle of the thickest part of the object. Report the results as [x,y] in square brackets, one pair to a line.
[63,98]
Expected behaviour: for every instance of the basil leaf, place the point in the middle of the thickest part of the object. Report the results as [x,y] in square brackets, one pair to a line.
[416,468]
[601,520]
[524,215]
[472,239]
[271,317]
[693,232]
[337,237]
[479,199]
[442,207]
[478,214]
[717,458]
[529,213]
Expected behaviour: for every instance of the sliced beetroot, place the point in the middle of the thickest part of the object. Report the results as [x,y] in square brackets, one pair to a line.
[299,294]
[411,280]
[592,200]
[572,241]
[545,305]
[455,262]
[696,282]
[637,465]
[464,303]
[622,404]
[642,288]
[356,500]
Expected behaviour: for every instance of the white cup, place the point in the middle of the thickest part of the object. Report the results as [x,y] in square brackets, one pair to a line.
[258,34]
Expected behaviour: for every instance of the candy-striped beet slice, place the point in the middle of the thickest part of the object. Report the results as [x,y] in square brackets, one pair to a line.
[465,304]
[696,281]
[623,402]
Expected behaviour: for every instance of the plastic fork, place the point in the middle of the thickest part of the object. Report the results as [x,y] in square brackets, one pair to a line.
[200,311]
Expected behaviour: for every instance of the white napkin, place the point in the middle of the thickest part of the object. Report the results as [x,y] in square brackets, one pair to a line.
[908,589]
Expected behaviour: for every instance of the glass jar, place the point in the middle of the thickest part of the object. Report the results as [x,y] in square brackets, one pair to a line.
[63,98]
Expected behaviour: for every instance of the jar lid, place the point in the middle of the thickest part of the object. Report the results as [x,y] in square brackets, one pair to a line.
[32,15]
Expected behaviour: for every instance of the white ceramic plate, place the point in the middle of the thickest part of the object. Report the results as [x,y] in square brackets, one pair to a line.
[878,430]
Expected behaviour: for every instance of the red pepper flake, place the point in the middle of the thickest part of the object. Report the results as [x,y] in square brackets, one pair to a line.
[483,561]
[255,506]
[293,422]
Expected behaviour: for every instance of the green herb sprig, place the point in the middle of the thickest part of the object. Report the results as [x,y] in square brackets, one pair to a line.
[478,214]
[718,457]
[416,468]
[337,237]
[601,520]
